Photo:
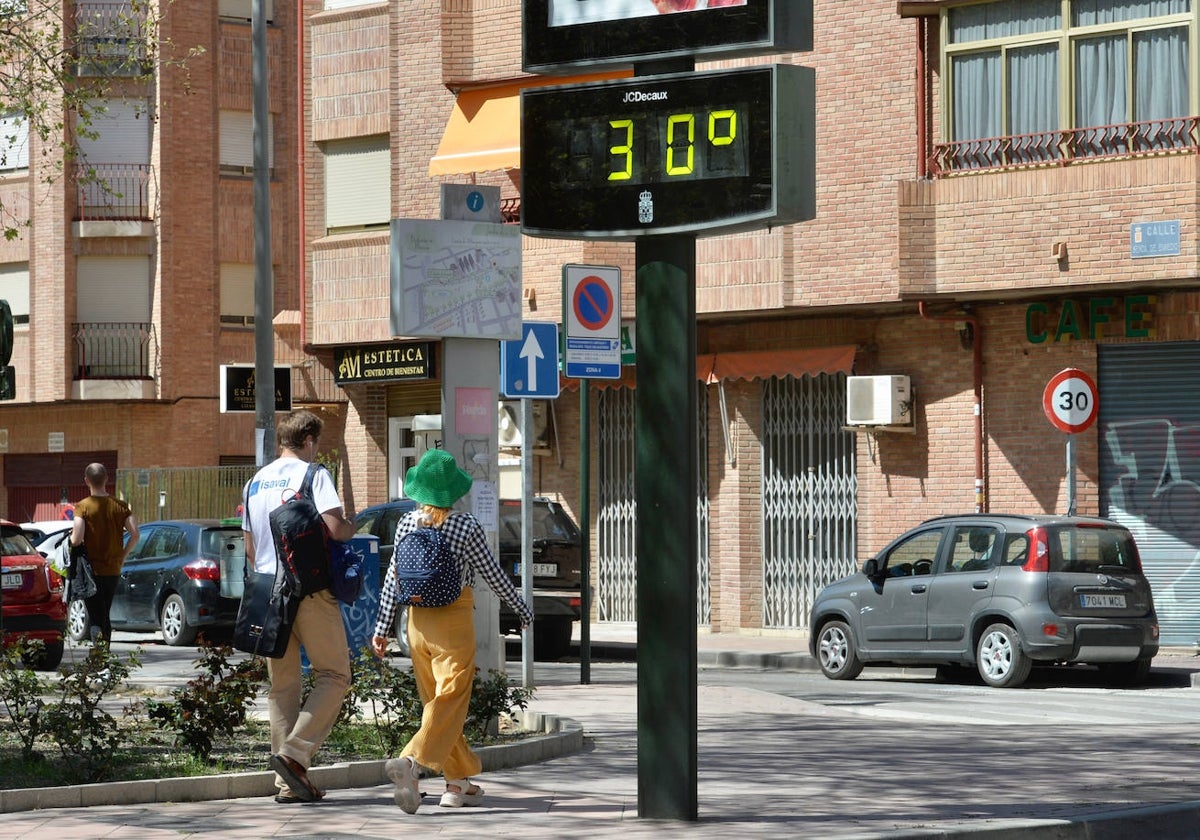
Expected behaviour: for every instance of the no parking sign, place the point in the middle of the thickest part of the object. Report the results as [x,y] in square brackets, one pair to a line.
[592,315]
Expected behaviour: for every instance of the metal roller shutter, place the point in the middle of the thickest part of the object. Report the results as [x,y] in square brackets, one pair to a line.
[1149,439]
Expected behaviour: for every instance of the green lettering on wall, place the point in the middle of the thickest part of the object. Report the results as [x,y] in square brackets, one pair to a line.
[1033,333]
[1098,316]
[1068,323]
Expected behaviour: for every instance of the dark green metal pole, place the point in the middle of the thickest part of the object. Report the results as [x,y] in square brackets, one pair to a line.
[585,520]
[665,488]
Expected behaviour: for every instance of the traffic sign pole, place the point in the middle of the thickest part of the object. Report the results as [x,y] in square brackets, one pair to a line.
[1071,403]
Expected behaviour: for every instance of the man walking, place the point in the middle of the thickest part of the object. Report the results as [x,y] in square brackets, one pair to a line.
[100,525]
[297,731]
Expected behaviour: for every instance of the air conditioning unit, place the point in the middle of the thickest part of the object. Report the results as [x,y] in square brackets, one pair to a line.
[878,401]
[510,425]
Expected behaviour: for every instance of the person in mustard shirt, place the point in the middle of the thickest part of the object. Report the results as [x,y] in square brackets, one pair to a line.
[100,524]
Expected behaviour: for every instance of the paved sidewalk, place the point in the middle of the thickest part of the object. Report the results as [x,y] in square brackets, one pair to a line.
[769,767]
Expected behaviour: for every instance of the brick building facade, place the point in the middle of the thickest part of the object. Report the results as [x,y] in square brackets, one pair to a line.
[977,269]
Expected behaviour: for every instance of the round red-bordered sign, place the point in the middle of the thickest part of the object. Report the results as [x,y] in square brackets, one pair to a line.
[1071,401]
[593,303]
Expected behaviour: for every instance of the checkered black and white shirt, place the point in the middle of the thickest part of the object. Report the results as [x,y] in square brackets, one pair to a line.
[469,544]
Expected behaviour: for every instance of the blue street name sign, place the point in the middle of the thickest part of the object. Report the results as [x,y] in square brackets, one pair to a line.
[529,366]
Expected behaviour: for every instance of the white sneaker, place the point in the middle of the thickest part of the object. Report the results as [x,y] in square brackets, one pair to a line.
[466,795]
[404,774]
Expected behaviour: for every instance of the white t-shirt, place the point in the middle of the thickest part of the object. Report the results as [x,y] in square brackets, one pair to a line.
[271,487]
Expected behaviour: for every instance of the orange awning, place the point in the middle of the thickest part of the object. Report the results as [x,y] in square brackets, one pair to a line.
[760,364]
[484,129]
[757,364]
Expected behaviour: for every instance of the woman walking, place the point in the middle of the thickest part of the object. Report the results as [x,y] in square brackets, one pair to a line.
[442,639]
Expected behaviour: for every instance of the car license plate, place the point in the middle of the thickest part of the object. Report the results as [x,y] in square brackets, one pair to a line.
[540,569]
[1093,600]
[11,581]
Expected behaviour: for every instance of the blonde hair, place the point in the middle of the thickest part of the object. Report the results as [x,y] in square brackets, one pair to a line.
[434,516]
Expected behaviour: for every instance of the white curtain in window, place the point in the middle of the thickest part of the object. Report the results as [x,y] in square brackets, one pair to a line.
[977,96]
[1092,12]
[14,288]
[14,143]
[1160,74]
[1003,20]
[1101,83]
[1033,89]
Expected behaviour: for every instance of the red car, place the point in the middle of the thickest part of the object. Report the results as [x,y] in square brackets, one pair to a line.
[31,596]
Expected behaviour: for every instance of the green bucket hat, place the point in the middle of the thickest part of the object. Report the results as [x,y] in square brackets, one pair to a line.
[437,480]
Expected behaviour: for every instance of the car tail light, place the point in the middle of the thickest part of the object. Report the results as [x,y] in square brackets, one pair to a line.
[1039,551]
[1050,630]
[203,569]
[54,579]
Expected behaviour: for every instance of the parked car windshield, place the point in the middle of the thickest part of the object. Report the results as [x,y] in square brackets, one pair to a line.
[1087,549]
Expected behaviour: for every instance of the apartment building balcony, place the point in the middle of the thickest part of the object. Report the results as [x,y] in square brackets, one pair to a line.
[113,199]
[1049,211]
[114,360]
[111,39]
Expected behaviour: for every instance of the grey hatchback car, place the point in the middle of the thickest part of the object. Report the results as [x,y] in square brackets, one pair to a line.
[996,593]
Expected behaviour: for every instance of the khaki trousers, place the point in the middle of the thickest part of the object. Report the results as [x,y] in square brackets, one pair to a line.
[298,731]
[442,644]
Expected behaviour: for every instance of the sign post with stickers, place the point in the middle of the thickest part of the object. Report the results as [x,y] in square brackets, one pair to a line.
[659,159]
[1071,404]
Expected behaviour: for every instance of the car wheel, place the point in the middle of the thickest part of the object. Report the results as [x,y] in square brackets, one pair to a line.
[551,639]
[999,657]
[835,652]
[402,631]
[78,622]
[1125,674]
[50,657]
[173,619]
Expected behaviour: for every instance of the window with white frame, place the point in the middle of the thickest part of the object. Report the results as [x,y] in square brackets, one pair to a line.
[240,9]
[14,288]
[1028,81]
[14,142]
[237,141]
[237,294]
[358,183]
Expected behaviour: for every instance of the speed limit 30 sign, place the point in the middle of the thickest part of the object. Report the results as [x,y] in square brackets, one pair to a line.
[1070,401]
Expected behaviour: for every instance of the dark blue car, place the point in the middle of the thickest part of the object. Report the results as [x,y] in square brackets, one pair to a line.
[183,577]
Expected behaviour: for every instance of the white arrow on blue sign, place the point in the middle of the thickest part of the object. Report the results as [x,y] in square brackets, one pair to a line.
[529,366]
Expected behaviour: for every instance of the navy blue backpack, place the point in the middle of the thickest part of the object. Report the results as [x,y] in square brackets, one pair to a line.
[427,573]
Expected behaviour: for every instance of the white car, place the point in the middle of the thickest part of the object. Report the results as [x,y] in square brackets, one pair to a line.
[38,531]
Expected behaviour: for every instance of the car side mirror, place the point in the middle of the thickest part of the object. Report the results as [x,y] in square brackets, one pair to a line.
[871,568]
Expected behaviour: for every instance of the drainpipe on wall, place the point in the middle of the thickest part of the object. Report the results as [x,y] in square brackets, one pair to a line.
[977,377]
[922,99]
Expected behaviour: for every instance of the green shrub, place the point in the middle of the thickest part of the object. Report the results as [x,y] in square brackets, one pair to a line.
[213,704]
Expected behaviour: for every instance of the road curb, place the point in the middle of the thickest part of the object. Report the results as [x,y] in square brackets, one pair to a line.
[560,736]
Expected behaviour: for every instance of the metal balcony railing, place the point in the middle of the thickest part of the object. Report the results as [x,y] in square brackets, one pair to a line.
[1060,148]
[112,350]
[111,38]
[113,191]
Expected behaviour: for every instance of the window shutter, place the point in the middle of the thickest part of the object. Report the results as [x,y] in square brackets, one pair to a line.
[123,130]
[237,289]
[237,140]
[113,289]
[358,182]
